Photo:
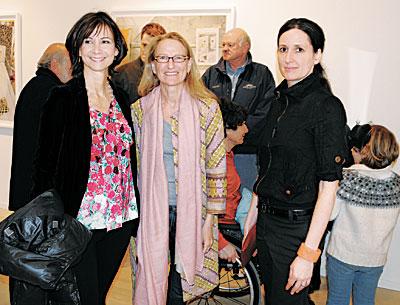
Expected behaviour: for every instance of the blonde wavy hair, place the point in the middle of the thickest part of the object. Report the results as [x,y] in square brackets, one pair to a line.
[381,150]
[194,84]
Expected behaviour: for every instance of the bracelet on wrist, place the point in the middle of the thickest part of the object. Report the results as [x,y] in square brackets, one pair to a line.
[308,254]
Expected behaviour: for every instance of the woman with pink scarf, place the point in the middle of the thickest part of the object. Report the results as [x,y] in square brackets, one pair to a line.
[181,156]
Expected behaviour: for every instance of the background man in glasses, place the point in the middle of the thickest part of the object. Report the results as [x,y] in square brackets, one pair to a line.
[237,78]
[129,75]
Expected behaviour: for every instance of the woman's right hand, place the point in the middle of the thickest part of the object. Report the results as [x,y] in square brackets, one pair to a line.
[300,274]
[228,253]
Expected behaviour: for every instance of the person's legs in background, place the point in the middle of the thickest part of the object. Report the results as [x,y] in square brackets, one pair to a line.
[365,284]
[175,293]
[340,280]
[315,283]
[11,284]
[315,280]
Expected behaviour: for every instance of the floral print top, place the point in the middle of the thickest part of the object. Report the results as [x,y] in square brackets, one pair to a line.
[109,199]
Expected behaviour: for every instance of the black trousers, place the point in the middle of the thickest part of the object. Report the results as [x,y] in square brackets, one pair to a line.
[278,240]
[175,294]
[100,262]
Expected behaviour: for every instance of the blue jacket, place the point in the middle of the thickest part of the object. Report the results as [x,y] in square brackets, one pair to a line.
[254,91]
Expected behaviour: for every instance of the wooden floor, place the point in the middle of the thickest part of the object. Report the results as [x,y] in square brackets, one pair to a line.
[121,291]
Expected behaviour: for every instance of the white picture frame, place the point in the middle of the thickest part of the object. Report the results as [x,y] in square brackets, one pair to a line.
[10,66]
[184,21]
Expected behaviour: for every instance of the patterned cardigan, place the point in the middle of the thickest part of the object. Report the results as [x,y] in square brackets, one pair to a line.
[213,174]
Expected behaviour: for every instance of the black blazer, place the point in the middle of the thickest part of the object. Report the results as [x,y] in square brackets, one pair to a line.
[25,136]
[62,158]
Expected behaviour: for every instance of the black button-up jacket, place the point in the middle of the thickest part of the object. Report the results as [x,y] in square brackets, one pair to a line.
[303,143]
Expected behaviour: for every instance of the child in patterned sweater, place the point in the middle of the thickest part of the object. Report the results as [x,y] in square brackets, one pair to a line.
[367,208]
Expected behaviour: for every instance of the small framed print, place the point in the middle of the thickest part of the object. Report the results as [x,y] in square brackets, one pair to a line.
[10,66]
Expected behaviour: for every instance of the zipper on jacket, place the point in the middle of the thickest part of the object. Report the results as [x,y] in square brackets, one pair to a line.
[268,146]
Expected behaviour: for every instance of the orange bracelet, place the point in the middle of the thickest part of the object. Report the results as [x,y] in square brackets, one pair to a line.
[308,253]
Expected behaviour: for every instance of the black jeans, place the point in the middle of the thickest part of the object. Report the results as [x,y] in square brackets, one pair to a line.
[278,240]
[100,262]
[175,294]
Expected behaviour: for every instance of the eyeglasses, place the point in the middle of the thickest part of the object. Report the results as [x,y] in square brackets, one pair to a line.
[162,59]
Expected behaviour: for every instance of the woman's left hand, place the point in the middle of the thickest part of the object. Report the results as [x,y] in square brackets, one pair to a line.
[207,233]
[299,275]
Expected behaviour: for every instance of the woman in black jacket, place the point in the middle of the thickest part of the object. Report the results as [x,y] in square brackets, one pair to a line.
[86,152]
[301,155]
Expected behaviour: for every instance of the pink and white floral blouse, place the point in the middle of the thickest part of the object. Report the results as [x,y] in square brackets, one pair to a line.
[109,199]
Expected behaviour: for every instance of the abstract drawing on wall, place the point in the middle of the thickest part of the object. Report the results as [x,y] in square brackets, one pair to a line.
[200,27]
[207,46]
[8,71]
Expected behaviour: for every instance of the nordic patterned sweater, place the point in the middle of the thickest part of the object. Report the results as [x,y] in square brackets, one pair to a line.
[367,207]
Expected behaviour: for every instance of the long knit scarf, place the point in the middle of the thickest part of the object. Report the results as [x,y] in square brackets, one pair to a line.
[152,239]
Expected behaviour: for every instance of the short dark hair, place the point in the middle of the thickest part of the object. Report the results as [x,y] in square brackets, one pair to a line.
[317,39]
[153,29]
[233,114]
[83,28]
[359,136]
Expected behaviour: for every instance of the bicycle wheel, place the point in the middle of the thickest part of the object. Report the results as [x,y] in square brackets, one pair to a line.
[237,285]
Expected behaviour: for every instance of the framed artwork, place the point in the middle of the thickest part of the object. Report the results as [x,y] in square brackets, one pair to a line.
[202,28]
[10,69]
[207,46]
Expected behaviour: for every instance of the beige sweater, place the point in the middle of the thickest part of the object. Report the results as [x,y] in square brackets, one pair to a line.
[366,218]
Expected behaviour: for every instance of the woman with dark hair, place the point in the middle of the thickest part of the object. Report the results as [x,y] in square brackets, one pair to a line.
[180,135]
[367,208]
[234,118]
[301,155]
[86,152]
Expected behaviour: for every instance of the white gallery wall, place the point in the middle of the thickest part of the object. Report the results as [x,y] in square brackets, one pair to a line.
[361,56]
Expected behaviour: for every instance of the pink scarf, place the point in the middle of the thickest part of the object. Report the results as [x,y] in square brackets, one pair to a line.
[152,239]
